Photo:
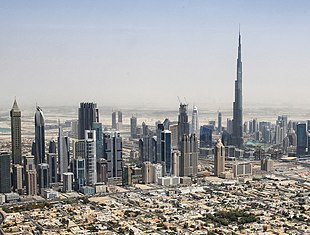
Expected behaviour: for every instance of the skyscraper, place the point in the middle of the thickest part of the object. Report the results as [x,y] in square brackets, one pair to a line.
[117,120]
[237,133]
[90,157]
[5,173]
[183,123]
[195,122]
[133,127]
[39,137]
[219,122]
[63,154]
[97,126]
[219,158]
[166,151]
[189,156]
[43,176]
[113,150]
[301,139]
[15,114]
[206,136]
[88,114]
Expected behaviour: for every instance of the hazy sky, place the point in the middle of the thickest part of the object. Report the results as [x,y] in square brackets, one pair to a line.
[149,52]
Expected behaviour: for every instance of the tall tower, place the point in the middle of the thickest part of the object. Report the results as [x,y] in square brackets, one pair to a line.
[237,134]
[39,137]
[88,114]
[63,153]
[133,127]
[183,123]
[113,150]
[195,123]
[15,114]
[219,122]
[219,158]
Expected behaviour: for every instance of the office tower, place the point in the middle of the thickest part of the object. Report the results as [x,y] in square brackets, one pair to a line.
[242,169]
[189,156]
[117,120]
[237,133]
[39,137]
[301,139]
[206,136]
[31,182]
[219,122]
[88,114]
[195,121]
[157,172]
[113,150]
[166,153]
[127,176]
[266,164]
[255,125]
[43,176]
[67,181]
[5,173]
[175,170]
[308,125]
[183,124]
[148,148]
[159,129]
[173,127]
[52,146]
[219,158]
[29,163]
[226,138]
[229,126]
[52,164]
[18,178]
[15,114]
[63,154]
[79,171]
[147,173]
[90,157]
[102,171]
[99,139]
[133,127]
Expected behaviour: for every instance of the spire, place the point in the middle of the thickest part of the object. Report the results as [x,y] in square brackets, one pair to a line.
[239,45]
[15,106]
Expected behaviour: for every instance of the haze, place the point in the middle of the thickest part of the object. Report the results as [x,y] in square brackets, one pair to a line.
[138,53]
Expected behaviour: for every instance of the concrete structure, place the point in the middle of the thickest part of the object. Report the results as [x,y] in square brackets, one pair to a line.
[219,158]
[147,173]
[175,169]
[15,114]
[242,169]
[127,176]
[189,156]
[102,171]
[79,171]
[39,144]
[113,150]
[266,164]
[68,182]
[5,173]
[90,157]
[237,132]
[88,114]
[31,182]
[183,124]
[18,178]
[63,154]
[157,172]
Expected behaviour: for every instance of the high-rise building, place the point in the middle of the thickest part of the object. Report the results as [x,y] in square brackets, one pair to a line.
[133,127]
[302,141]
[127,176]
[102,171]
[43,176]
[237,133]
[242,169]
[113,150]
[88,114]
[15,114]
[39,156]
[166,152]
[63,154]
[219,122]
[183,123]
[79,171]
[175,169]
[173,127]
[195,121]
[189,156]
[90,157]
[159,129]
[219,158]
[266,164]
[117,120]
[157,171]
[31,182]
[206,136]
[99,139]
[67,181]
[52,164]
[147,173]
[5,173]
[18,178]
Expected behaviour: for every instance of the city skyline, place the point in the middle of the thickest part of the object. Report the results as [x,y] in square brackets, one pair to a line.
[189,47]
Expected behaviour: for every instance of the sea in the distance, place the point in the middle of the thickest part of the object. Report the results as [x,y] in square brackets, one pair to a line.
[5,130]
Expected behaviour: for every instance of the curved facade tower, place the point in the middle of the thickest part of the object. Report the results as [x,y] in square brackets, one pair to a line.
[39,137]
[237,134]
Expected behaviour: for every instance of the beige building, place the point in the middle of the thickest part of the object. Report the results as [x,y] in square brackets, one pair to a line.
[219,158]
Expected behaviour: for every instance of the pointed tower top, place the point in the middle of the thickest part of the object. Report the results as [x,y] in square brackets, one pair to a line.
[15,106]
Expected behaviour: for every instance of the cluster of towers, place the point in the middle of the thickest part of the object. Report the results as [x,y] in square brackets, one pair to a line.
[74,164]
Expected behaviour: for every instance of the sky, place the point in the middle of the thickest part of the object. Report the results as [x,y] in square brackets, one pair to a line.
[148,52]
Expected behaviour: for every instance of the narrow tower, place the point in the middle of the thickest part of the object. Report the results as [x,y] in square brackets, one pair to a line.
[237,134]
[39,137]
[16,134]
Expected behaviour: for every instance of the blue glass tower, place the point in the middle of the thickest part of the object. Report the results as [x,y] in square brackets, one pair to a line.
[301,139]
[166,151]
[206,136]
